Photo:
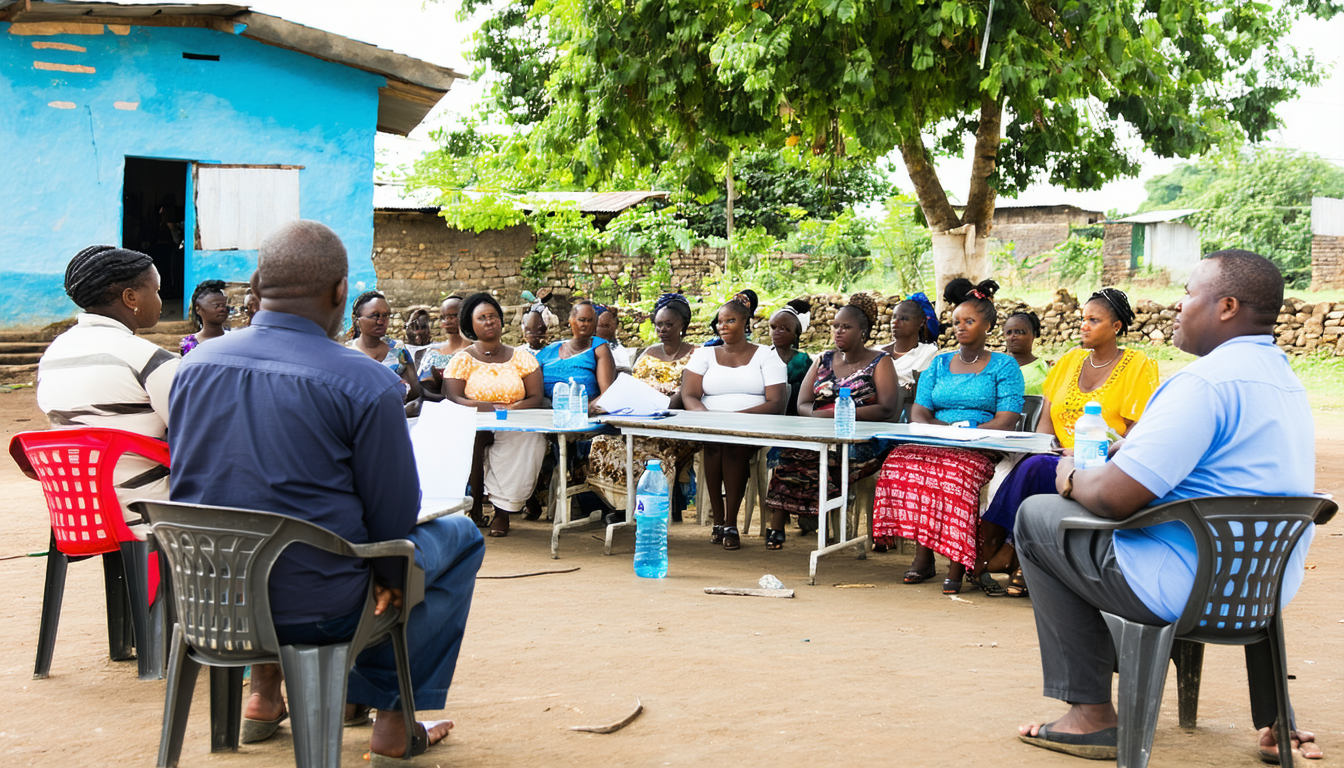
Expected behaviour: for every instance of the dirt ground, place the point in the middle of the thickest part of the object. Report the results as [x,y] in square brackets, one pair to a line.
[889,673]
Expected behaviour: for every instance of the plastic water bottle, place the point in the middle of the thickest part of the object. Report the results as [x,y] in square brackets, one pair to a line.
[582,420]
[560,404]
[651,507]
[1090,441]
[844,414]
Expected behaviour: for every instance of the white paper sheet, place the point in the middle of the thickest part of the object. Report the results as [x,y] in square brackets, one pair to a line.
[442,438]
[628,396]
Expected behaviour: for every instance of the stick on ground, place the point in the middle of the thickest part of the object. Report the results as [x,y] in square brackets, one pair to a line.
[533,573]
[612,727]
[749,592]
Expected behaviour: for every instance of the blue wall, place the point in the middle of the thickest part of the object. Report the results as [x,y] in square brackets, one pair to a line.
[62,169]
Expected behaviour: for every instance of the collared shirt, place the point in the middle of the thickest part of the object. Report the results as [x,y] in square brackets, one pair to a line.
[100,374]
[1234,422]
[279,418]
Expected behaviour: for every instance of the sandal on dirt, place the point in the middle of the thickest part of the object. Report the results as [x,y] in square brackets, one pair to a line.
[261,730]
[1017,585]
[990,586]
[498,530]
[1097,745]
[731,540]
[774,539]
[951,586]
[916,577]
[419,743]
[716,536]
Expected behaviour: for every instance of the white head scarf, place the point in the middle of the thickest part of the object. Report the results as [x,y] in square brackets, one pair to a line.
[547,316]
[804,318]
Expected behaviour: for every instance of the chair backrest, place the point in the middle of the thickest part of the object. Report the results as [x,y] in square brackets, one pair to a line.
[1031,413]
[75,468]
[1244,543]
[220,562]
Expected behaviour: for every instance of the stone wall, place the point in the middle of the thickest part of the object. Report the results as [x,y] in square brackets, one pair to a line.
[1327,262]
[418,259]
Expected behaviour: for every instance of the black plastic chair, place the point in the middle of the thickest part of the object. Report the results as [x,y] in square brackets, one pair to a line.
[220,561]
[1031,413]
[1243,544]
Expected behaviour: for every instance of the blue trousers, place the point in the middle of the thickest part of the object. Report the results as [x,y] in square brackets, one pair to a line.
[450,549]
[1032,476]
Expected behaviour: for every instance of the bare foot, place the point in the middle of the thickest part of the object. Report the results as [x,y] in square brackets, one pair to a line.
[1081,718]
[1304,745]
[265,702]
[389,733]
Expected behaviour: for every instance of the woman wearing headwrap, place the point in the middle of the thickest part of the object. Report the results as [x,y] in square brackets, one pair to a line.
[871,380]
[100,374]
[914,331]
[536,322]
[210,311]
[660,367]
[787,327]
[1121,380]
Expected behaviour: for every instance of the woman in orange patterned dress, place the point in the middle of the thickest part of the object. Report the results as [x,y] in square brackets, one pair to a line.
[490,375]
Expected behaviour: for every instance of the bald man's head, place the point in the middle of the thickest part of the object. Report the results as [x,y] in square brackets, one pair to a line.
[300,259]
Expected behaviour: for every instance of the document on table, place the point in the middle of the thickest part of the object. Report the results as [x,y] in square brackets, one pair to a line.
[628,396]
[443,438]
[962,434]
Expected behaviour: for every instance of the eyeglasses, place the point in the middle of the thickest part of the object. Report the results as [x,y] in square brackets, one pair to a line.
[378,316]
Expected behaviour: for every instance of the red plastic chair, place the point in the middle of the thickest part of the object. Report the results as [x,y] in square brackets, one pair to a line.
[75,468]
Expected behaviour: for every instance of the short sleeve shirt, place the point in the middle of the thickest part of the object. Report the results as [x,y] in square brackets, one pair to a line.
[1123,395]
[973,397]
[493,382]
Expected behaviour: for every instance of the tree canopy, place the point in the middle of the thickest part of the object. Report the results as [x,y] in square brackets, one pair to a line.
[1259,201]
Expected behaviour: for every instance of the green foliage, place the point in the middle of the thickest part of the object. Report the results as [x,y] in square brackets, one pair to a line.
[1259,201]
[902,246]
[838,249]
[478,214]
[1076,260]
[565,239]
[649,231]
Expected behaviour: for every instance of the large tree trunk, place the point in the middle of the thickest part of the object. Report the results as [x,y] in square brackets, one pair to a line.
[959,242]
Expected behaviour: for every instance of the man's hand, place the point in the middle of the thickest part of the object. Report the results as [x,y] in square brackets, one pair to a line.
[1062,470]
[383,597]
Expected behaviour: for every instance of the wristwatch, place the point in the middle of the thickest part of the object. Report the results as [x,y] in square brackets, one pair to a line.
[1068,485]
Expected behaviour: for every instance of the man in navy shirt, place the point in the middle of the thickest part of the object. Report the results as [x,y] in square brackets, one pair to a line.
[280,418]
[1234,422]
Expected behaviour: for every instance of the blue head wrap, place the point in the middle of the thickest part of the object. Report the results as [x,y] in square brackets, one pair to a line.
[930,314]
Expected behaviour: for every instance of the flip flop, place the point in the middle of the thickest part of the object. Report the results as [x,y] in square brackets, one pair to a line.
[1097,745]
[261,730]
[990,586]
[1270,755]
[915,577]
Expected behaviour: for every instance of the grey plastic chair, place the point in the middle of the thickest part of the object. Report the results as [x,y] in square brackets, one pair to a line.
[220,561]
[1243,544]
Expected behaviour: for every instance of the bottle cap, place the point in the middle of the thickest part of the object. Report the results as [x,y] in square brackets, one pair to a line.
[844,391]
[1092,409]
[654,464]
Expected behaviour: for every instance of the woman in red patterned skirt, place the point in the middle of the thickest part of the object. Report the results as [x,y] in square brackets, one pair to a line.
[932,495]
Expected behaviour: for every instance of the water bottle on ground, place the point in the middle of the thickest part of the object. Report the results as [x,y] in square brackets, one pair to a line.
[651,512]
[559,404]
[844,414]
[1090,441]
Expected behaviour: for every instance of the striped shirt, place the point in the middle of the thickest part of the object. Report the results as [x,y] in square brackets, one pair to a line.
[100,374]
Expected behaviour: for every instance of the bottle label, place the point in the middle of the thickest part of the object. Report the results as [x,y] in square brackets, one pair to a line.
[1090,454]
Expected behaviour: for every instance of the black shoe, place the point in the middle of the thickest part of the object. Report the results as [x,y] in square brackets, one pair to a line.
[612,518]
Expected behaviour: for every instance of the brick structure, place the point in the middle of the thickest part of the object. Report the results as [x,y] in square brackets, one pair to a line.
[1327,262]
[1034,229]
[1115,253]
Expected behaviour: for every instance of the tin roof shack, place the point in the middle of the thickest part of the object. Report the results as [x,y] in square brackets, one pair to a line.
[1327,243]
[187,132]
[1035,229]
[1153,242]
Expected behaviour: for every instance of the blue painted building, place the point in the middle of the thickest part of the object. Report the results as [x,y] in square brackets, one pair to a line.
[185,131]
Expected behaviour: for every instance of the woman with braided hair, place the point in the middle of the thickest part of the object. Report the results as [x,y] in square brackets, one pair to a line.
[932,494]
[210,311]
[369,319]
[871,379]
[1121,380]
[100,374]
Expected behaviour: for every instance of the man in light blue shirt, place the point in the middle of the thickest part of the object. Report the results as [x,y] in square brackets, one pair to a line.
[1234,422]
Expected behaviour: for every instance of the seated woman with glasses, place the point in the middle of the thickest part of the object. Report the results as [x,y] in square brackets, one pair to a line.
[370,317]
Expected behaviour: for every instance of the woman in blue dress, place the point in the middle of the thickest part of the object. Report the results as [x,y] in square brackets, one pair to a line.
[583,357]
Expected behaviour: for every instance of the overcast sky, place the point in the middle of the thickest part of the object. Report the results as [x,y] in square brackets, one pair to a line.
[431,31]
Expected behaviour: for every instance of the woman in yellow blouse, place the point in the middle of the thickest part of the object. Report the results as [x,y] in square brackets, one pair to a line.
[660,367]
[490,375]
[1121,380]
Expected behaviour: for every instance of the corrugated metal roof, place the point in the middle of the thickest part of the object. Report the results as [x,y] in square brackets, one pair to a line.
[392,196]
[413,86]
[1159,217]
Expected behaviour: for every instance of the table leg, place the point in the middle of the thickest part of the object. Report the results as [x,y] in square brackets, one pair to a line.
[841,504]
[629,492]
[561,497]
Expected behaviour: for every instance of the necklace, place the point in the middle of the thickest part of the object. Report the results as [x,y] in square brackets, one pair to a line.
[961,355]
[487,352]
[1103,365]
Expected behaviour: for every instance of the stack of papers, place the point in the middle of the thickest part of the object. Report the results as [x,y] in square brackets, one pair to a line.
[628,396]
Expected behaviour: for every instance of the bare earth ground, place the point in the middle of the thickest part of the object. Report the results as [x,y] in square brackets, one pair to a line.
[888,675]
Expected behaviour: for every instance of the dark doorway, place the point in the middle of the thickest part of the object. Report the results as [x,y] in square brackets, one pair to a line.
[153,197]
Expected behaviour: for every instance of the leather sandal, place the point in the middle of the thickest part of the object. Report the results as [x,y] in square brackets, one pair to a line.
[731,540]
[716,535]
[499,524]
[913,576]
[1017,585]
[952,586]
[989,585]
[774,538]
